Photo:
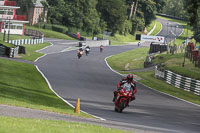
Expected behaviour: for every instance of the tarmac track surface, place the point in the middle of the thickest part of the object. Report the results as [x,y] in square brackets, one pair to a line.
[90,79]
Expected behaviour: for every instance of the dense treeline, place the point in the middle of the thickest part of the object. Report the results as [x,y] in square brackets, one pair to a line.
[95,16]
[193,9]
[175,8]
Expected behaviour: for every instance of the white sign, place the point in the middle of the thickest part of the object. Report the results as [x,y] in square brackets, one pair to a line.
[159,39]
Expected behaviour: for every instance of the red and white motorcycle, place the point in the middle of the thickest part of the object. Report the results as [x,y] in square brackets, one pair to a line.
[123,98]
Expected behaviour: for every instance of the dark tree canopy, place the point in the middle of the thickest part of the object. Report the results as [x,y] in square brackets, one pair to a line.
[116,16]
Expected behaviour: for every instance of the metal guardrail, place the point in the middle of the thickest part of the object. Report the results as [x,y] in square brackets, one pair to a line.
[26,41]
[181,82]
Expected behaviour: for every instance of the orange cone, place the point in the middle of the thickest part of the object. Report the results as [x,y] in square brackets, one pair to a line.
[77,108]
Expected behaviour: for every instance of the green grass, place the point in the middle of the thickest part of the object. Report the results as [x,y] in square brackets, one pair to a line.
[149,80]
[118,39]
[22,85]
[157,29]
[51,34]
[31,55]
[23,125]
[174,63]
[7,44]
[18,37]
[123,40]
[150,27]
[14,37]
[135,58]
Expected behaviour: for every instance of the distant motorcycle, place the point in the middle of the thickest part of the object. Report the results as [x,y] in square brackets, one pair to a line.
[101,48]
[87,50]
[123,98]
[79,54]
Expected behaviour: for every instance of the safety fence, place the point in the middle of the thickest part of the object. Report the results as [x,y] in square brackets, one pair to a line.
[26,41]
[181,82]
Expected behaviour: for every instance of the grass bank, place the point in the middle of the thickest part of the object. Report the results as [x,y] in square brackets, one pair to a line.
[22,85]
[31,53]
[23,125]
[51,34]
[129,60]
[174,63]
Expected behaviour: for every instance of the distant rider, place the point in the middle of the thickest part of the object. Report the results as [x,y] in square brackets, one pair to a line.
[101,48]
[87,50]
[80,52]
[129,80]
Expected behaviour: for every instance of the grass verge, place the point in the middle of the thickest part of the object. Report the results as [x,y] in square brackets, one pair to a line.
[51,34]
[31,53]
[157,29]
[129,60]
[174,64]
[22,85]
[23,125]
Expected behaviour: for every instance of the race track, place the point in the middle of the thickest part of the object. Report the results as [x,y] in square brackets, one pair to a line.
[91,80]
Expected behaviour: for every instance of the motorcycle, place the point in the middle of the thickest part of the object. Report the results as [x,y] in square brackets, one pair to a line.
[87,51]
[123,98]
[101,48]
[79,54]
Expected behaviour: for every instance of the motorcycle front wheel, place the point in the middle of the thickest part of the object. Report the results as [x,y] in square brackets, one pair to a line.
[121,106]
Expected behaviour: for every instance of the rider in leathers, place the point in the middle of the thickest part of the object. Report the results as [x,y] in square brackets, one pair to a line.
[128,79]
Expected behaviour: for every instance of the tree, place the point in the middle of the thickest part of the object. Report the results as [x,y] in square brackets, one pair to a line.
[114,13]
[148,7]
[159,5]
[193,8]
[175,8]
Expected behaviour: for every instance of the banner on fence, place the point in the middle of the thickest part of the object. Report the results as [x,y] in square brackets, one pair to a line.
[158,39]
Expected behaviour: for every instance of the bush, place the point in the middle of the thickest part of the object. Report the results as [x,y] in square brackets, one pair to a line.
[60,28]
[48,26]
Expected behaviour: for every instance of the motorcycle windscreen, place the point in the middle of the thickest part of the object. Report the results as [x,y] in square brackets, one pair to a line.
[127,87]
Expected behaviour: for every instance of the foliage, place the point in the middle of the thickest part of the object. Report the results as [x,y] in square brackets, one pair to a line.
[96,16]
[113,12]
[51,34]
[175,8]
[25,5]
[148,7]
[193,8]
[59,28]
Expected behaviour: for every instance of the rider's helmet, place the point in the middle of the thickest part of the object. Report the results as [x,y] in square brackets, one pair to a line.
[129,77]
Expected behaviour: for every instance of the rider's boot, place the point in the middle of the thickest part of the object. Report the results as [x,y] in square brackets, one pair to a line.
[115,96]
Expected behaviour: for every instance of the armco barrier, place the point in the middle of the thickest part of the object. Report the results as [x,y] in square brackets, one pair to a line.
[181,82]
[26,41]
